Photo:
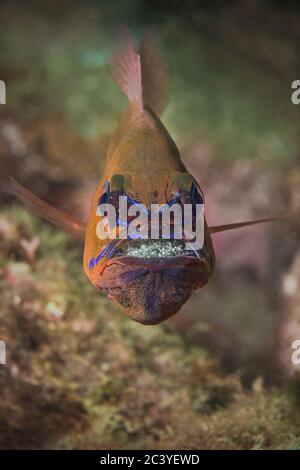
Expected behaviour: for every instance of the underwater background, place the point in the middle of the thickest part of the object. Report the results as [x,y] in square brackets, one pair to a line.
[218,375]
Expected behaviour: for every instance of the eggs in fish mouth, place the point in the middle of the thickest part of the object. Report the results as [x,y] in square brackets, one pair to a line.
[154,249]
[152,279]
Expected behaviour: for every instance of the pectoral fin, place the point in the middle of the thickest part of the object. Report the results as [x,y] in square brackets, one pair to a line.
[224,228]
[57,217]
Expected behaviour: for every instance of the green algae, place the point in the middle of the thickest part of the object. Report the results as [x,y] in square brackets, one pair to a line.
[79,374]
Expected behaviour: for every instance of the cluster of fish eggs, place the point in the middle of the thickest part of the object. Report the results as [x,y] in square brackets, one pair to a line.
[151,249]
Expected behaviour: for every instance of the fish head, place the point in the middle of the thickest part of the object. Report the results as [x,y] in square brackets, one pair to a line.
[149,278]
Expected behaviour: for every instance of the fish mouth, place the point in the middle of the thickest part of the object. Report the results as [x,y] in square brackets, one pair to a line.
[149,252]
[155,256]
[152,280]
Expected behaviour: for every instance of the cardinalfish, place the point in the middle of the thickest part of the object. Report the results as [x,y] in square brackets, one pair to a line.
[150,279]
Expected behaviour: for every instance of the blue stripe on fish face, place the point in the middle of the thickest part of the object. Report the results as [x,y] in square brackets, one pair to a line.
[105,195]
[94,261]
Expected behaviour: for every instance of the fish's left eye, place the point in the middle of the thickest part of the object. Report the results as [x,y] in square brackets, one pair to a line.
[184,189]
[194,196]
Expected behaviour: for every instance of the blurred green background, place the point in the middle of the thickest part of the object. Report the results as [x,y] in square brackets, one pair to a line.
[219,374]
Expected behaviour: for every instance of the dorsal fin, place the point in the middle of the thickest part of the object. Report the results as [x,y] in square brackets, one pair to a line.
[125,69]
[142,77]
[155,75]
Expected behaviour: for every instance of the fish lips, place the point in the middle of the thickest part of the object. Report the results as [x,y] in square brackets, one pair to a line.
[153,289]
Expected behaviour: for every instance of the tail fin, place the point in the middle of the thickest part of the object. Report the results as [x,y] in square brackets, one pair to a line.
[142,77]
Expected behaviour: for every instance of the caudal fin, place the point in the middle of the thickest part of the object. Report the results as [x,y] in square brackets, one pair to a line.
[142,77]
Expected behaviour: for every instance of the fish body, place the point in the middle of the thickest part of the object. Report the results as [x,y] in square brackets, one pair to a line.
[145,157]
[151,279]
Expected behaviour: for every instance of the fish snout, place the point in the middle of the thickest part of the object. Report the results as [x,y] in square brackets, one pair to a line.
[152,297]
[151,291]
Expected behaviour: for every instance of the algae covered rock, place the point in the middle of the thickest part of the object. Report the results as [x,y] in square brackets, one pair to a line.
[79,374]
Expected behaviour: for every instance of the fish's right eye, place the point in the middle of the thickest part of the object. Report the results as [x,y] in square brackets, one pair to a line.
[116,190]
[117,183]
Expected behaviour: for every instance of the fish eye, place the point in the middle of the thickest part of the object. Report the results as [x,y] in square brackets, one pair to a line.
[117,183]
[184,196]
[116,190]
[112,190]
[185,190]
